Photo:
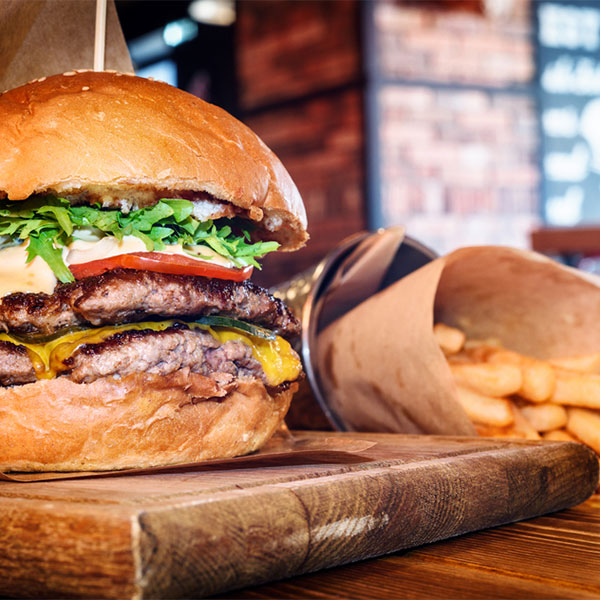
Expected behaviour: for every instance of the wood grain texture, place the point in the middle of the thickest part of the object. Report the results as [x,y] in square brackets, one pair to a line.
[555,556]
[200,533]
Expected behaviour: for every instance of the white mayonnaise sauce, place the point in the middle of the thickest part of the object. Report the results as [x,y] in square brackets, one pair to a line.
[81,251]
[37,276]
[17,276]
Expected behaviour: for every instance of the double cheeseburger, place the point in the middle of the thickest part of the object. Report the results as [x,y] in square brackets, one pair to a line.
[131,217]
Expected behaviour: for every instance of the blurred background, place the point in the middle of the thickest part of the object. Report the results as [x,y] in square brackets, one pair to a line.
[467,121]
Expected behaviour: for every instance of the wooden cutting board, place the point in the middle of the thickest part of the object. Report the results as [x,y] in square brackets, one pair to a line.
[194,532]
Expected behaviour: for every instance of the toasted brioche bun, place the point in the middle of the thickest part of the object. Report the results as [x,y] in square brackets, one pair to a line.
[119,135]
[137,422]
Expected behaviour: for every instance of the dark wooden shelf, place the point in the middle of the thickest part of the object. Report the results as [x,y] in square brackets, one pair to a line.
[566,240]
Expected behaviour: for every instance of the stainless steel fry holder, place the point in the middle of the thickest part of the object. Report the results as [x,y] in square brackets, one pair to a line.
[310,295]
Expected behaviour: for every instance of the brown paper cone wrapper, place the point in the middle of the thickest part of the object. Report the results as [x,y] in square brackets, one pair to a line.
[45,37]
[530,303]
[381,368]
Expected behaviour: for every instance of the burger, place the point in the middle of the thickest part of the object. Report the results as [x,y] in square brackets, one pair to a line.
[132,215]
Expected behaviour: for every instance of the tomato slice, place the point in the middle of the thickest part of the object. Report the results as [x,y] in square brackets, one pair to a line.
[159,263]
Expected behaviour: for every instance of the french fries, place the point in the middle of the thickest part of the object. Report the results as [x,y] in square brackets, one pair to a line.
[585,425]
[507,394]
[485,409]
[545,417]
[450,339]
[489,379]
[559,435]
[577,389]
[585,363]
[538,377]
[523,426]
[498,432]
[519,426]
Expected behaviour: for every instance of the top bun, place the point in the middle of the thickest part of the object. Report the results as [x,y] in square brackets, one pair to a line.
[120,134]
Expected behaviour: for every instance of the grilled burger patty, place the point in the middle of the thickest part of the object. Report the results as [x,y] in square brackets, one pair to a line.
[142,351]
[15,365]
[126,296]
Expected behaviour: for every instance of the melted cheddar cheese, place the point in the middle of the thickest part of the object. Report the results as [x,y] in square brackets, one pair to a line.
[279,362]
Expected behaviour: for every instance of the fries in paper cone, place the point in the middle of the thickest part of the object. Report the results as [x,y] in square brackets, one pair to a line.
[384,368]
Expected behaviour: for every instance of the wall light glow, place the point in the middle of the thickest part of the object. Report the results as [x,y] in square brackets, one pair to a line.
[213,12]
[178,32]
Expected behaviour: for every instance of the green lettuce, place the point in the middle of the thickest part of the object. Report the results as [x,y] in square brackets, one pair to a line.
[51,223]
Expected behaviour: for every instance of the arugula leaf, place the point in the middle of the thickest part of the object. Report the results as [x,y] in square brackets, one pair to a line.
[146,218]
[33,225]
[42,245]
[51,223]
[9,227]
[151,245]
[62,216]
[182,209]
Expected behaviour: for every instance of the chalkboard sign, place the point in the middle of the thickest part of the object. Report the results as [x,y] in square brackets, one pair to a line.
[568,39]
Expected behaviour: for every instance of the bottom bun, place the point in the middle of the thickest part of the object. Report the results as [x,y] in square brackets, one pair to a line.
[138,422]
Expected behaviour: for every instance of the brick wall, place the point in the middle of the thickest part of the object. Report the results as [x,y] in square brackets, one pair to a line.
[290,49]
[319,140]
[458,136]
[459,167]
[299,78]
[458,132]
[455,46]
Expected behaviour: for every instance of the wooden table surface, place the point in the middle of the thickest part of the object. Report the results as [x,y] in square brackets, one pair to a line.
[554,556]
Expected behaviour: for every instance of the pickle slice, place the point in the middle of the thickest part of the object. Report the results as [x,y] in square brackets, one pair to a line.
[217,321]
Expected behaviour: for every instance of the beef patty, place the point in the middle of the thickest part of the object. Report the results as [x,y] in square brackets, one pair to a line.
[15,365]
[125,296]
[142,351]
